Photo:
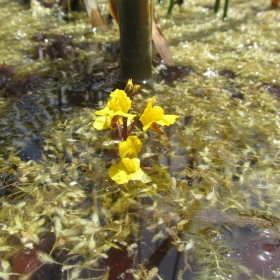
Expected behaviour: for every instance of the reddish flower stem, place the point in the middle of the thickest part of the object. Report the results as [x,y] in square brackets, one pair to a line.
[125,133]
[133,124]
[119,131]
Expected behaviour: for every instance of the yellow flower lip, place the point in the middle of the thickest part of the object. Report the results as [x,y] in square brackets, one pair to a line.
[128,168]
[155,115]
[130,148]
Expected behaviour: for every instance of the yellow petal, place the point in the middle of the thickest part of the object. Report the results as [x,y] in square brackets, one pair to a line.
[168,120]
[118,173]
[103,111]
[150,102]
[147,117]
[130,148]
[121,175]
[131,164]
[101,123]
[119,101]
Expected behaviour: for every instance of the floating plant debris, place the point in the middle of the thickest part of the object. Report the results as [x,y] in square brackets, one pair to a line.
[211,208]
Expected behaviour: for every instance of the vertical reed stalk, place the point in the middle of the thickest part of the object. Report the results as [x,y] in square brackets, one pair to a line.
[225,10]
[171,4]
[135,20]
[217,6]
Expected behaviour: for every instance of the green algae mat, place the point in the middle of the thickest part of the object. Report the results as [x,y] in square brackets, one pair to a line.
[211,207]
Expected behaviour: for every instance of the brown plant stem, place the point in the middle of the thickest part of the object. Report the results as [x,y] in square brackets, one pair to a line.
[133,124]
[119,131]
[125,134]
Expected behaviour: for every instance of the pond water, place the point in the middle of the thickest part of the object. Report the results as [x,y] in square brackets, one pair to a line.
[211,210]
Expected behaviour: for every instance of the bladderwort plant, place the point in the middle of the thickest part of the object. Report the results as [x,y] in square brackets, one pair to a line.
[116,116]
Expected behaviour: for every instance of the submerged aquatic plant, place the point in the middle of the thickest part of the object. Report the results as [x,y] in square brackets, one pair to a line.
[114,115]
[218,165]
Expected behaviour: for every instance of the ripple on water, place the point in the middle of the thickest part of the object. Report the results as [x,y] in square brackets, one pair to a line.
[257,250]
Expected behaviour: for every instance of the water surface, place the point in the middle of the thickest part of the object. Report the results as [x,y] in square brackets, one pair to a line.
[211,210]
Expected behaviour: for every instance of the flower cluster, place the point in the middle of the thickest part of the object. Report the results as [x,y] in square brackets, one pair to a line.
[116,108]
[115,116]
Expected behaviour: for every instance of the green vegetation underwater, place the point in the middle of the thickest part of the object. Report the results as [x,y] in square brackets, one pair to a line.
[211,209]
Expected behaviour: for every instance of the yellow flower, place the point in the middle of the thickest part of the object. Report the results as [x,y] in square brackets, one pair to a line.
[117,107]
[128,168]
[130,148]
[155,115]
